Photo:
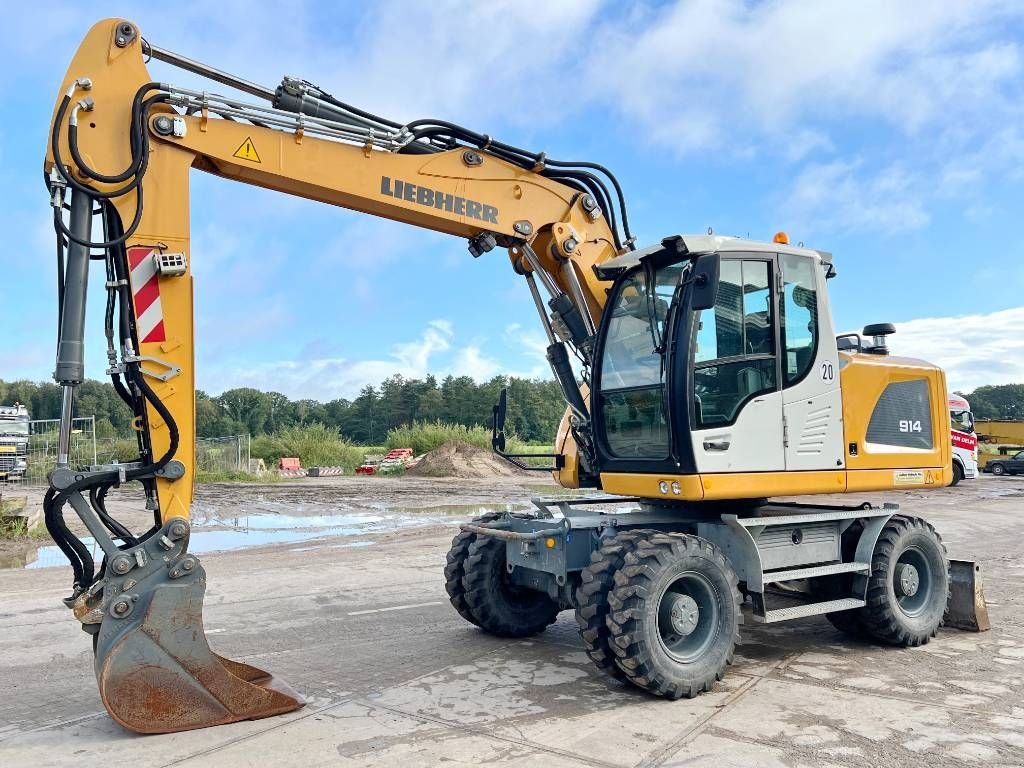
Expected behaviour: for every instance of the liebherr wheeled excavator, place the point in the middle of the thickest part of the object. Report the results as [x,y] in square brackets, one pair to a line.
[709,380]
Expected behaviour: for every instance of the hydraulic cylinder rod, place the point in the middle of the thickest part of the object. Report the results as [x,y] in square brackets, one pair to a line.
[70,369]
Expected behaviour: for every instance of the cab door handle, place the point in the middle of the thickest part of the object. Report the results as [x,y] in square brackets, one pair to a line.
[716,445]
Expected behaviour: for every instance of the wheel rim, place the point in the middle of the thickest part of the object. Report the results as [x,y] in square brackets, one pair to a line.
[997,469]
[912,581]
[688,617]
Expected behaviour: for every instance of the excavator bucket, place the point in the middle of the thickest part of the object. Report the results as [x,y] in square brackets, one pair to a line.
[155,669]
[966,608]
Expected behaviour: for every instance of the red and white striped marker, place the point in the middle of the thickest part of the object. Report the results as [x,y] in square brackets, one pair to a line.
[149,315]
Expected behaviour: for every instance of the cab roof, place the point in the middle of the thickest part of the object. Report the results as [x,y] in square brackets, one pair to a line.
[698,244]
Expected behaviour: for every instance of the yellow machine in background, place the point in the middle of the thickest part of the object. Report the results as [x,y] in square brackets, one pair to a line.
[710,379]
[997,440]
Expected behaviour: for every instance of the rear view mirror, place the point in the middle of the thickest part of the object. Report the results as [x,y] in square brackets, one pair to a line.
[704,281]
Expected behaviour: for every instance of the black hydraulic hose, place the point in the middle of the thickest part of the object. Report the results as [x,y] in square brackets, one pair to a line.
[59,161]
[73,548]
[140,150]
[356,111]
[611,176]
[172,428]
[429,129]
[62,228]
[97,497]
[85,567]
[597,189]
[137,133]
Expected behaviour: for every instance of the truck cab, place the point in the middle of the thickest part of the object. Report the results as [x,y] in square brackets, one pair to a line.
[14,430]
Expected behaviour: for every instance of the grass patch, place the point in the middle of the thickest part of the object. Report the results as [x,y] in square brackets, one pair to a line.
[424,436]
[315,445]
[235,476]
[15,528]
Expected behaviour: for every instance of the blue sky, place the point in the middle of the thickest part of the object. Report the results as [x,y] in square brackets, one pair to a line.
[888,133]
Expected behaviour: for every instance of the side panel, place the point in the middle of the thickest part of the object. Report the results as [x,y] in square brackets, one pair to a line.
[750,444]
[814,430]
[896,423]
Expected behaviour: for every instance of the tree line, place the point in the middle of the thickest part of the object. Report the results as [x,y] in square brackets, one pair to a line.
[535,407]
[1003,401]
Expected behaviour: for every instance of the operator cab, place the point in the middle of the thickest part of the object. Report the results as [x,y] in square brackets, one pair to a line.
[709,352]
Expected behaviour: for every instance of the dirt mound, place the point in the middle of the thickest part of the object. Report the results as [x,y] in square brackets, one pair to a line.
[457,459]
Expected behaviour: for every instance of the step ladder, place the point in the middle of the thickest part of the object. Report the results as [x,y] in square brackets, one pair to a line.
[794,542]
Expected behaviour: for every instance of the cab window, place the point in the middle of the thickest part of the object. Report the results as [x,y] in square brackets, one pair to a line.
[799,316]
[632,370]
[962,421]
[734,343]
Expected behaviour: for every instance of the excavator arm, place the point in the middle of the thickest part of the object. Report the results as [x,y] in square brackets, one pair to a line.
[122,146]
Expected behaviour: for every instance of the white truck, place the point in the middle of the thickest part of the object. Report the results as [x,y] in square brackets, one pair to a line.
[13,442]
[965,441]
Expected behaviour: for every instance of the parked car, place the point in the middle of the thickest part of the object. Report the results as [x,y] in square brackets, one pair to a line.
[1011,465]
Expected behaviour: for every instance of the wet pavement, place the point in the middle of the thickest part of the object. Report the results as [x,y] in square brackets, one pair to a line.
[359,623]
[213,531]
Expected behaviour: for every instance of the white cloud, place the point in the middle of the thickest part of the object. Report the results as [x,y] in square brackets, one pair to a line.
[328,378]
[838,196]
[701,73]
[974,350]
[470,361]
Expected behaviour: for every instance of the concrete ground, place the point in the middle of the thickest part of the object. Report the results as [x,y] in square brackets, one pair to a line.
[394,677]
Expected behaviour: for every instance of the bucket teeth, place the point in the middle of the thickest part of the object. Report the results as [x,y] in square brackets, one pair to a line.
[155,669]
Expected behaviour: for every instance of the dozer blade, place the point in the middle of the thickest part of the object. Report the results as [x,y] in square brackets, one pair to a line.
[155,669]
[966,608]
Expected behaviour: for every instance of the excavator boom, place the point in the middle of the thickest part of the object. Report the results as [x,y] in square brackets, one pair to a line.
[125,143]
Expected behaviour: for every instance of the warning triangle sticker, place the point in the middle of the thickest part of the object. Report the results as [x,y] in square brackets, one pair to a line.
[247,151]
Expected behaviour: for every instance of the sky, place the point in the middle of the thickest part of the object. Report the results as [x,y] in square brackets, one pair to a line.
[890,134]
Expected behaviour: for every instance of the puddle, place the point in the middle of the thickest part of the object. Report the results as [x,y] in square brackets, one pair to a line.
[213,532]
[260,522]
[463,510]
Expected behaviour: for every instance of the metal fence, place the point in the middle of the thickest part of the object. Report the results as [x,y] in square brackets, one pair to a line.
[42,448]
[213,454]
[223,454]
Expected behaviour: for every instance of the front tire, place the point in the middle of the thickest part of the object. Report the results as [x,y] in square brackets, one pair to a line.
[455,567]
[596,582]
[908,588]
[674,618]
[497,606]
[998,469]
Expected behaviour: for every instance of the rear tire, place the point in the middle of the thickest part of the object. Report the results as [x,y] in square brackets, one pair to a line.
[908,589]
[455,568]
[675,612]
[958,474]
[497,606]
[596,581]
[998,469]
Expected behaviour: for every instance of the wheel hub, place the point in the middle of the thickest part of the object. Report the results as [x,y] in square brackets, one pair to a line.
[684,614]
[908,580]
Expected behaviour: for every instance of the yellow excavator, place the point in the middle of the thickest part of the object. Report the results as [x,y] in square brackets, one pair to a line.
[702,376]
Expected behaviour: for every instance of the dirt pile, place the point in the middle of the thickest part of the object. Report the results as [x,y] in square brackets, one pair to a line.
[462,460]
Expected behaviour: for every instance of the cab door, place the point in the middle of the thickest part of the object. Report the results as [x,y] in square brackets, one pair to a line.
[737,401]
[811,399]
